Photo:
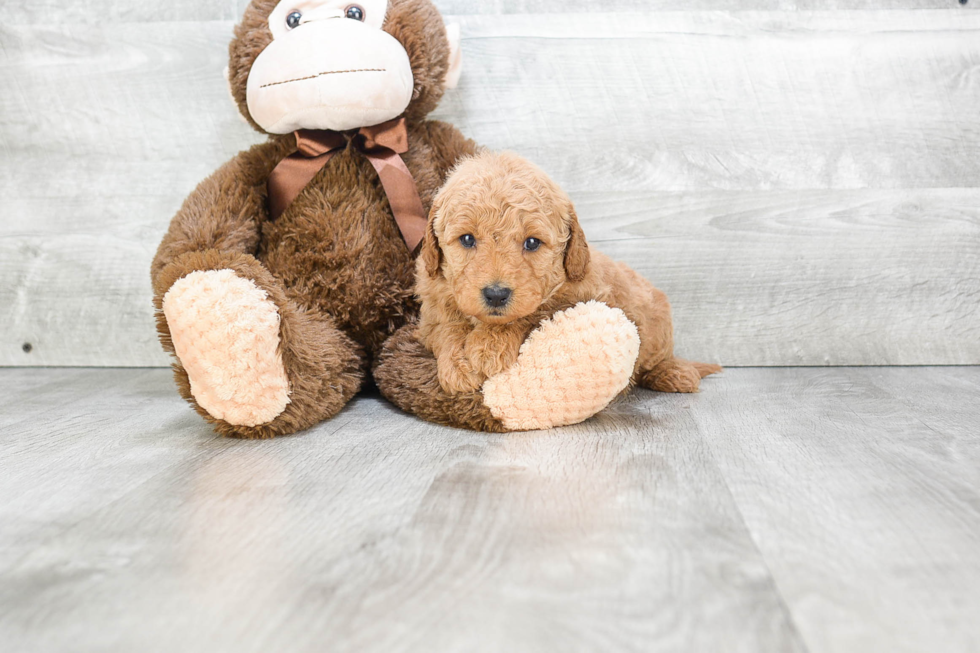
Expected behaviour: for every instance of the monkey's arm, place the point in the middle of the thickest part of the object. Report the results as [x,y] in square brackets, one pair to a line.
[224,214]
[247,357]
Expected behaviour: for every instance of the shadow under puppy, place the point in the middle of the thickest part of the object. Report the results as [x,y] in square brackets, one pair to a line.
[503,253]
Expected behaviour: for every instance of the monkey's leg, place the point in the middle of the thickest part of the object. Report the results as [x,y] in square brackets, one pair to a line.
[569,369]
[408,376]
[248,359]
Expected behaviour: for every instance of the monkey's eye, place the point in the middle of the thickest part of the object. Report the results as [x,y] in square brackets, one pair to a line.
[532,244]
[467,241]
[292,20]
[355,12]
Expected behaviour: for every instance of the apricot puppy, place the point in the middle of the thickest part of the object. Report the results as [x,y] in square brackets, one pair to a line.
[504,252]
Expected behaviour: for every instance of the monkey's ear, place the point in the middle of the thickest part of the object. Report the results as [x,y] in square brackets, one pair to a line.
[455,35]
[231,93]
[431,254]
[577,257]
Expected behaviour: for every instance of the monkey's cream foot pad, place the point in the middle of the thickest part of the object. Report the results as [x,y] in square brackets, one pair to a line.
[569,369]
[226,334]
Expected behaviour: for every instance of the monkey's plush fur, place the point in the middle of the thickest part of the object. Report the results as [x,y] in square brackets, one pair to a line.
[334,263]
[275,324]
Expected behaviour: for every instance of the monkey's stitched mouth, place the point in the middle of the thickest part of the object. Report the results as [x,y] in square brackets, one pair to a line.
[330,72]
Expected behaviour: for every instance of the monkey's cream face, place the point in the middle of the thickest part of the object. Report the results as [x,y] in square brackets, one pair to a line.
[330,66]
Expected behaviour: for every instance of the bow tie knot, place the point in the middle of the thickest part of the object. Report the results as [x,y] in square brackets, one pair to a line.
[382,145]
[392,135]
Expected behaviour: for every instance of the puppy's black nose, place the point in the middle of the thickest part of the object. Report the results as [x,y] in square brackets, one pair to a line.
[497,296]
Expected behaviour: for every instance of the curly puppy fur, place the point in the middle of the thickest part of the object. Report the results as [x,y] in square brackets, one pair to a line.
[334,263]
[478,240]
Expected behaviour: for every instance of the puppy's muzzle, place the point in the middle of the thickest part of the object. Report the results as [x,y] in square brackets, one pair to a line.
[496,296]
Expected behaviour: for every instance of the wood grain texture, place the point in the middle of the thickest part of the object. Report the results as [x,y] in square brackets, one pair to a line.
[625,6]
[862,489]
[827,511]
[129,526]
[95,12]
[836,148]
[709,100]
[133,117]
[876,277]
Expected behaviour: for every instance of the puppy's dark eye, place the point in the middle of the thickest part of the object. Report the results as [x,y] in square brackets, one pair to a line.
[354,12]
[467,241]
[532,244]
[292,20]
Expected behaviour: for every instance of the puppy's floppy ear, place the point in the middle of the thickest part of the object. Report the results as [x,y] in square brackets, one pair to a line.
[431,254]
[577,255]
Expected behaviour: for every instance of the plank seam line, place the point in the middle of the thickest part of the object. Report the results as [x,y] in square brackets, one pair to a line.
[790,617]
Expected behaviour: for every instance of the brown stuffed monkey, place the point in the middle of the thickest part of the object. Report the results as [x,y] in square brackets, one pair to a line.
[287,276]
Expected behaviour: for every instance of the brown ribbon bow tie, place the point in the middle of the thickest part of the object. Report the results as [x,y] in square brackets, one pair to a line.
[382,144]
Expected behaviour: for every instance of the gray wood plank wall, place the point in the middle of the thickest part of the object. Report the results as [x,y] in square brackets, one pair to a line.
[801,176]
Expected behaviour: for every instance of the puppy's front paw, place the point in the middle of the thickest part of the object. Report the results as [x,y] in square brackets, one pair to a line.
[492,352]
[569,369]
[457,377]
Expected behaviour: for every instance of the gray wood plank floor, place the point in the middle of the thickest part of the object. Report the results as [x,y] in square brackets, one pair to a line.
[818,510]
